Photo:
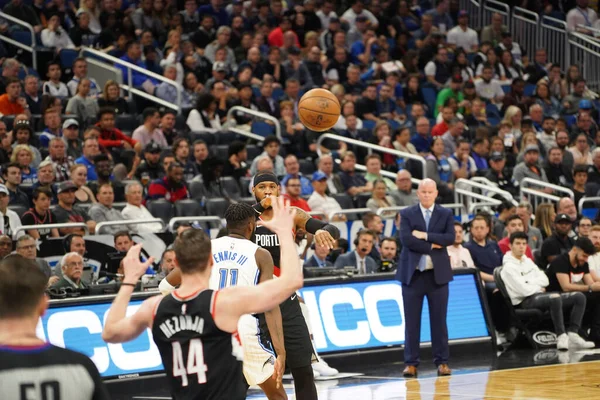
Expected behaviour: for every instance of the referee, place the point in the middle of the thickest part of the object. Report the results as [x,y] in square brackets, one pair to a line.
[31,368]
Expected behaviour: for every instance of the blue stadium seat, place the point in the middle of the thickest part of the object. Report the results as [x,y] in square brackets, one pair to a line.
[430,96]
[262,128]
[589,212]
[256,91]
[506,88]
[529,89]
[67,58]
[394,124]
[492,111]
[368,124]
[278,93]
[23,37]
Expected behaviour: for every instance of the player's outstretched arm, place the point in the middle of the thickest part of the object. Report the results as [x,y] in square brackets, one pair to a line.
[119,327]
[233,302]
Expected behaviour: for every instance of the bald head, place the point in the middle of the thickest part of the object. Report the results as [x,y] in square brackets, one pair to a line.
[403,181]
[567,206]
[253,54]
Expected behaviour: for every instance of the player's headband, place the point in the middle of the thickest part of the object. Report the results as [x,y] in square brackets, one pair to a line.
[266,177]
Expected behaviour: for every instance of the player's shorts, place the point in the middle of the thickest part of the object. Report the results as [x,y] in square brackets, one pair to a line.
[259,357]
[298,346]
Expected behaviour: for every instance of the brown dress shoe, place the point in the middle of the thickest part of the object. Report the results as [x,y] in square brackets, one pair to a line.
[444,370]
[410,371]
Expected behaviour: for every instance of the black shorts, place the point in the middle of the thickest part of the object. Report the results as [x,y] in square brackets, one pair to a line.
[296,338]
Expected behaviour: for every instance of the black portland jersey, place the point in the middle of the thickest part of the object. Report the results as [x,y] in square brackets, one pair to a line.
[48,372]
[200,360]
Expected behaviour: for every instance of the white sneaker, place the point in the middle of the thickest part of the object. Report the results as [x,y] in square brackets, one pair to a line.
[316,373]
[324,369]
[500,338]
[578,342]
[563,342]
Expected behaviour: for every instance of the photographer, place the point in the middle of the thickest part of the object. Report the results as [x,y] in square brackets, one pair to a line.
[389,255]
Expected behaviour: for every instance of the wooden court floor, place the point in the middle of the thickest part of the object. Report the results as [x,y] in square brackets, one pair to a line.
[579,381]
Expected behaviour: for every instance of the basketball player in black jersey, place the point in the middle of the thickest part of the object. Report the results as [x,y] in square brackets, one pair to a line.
[193,326]
[30,368]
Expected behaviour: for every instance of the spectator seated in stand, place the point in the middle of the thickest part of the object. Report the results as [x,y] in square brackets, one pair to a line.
[293,193]
[271,146]
[83,105]
[379,198]
[560,242]
[68,212]
[135,210]
[40,214]
[27,247]
[54,86]
[359,258]
[292,169]
[460,257]
[11,102]
[526,286]
[320,202]
[149,131]
[103,210]
[513,224]
[172,187]
[71,266]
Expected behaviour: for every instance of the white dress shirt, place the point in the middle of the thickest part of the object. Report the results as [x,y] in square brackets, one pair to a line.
[324,204]
[361,264]
[139,213]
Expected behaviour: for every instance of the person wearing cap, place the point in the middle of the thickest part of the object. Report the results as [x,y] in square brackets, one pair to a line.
[452,92]
[327,14]
[271,146]
[569,272]
[149,130]
[461,36]
[150,168]
[357,31]
[22,134]
[529,167]
[11,219]
[357,8]
[320,202]
[559,242]
[67,212]
[501,175]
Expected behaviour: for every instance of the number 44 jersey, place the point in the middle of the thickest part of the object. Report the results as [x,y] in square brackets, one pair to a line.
[200,360]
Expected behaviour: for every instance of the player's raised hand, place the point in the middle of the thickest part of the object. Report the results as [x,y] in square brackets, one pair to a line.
[283,216]
[132,266]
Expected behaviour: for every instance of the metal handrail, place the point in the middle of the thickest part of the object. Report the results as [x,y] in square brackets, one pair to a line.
[536,183]
[584,200]
[18,44]
[594,32]
[52,226]
[348,211]
[129,86]
[497,7]
[537,193]
[486,201]
[383,210]
[130,222]
[485,184]
[175,220]
[258,114]
[371,147]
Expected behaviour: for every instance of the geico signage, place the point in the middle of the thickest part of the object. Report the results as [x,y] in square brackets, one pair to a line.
[355,315]
[80,328]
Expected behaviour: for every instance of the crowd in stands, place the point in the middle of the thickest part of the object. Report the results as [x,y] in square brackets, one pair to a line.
[410,76]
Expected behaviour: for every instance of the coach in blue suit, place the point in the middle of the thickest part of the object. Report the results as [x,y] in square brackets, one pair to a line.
[424,270]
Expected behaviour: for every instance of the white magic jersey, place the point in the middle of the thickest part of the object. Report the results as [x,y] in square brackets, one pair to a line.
[234,263]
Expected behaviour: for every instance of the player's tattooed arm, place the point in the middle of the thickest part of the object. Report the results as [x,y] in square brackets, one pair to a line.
[325,234]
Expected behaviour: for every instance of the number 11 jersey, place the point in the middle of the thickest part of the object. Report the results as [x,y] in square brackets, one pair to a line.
[200,360]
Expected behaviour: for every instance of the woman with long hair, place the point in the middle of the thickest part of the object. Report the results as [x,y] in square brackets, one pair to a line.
[348,108]
[513,116]
[549,103]
[191,90]
[181,150]
[382,136]
[204,117]
[412,93]
[438,168]
[461,67]
[40,214]
[380,199]
[92,9]
[311,39]
[111,97]
[544,219]
[511,68]
[492,59]
[83,194]
[23,156]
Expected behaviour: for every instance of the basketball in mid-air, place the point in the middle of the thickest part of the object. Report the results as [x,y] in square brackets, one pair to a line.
[319,110]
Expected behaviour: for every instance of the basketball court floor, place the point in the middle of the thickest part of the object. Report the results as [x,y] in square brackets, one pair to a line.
[478,373]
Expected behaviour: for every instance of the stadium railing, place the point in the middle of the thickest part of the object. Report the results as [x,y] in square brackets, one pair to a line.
[371,147]
[530,189]
[554,38]
[53,226]
[129,222]
[176,220]
[349,211]
[474,201]
[593,210]
[230,123]
[491,7]
[525,28]
[585,51]
[482,186]
[128,86]
[31,47]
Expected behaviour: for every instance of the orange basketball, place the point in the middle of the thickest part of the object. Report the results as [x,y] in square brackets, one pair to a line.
[319,110]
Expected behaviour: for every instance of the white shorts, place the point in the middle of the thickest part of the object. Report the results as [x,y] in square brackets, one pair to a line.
[259,360]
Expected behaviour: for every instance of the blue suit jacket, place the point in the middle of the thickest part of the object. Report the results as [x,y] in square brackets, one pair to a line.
[441,231]
[349,260]
[312,262]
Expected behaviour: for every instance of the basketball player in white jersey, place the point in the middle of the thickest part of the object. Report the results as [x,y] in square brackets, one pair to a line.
[240,262]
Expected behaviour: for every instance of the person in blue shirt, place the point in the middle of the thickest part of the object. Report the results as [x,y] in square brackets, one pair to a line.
[91,149]
[441,18]
[216,10]
[362,52]
[319,258]
[134,56]
[422,140]
[292,169]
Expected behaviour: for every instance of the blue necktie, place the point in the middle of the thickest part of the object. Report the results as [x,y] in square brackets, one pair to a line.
[423,260]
